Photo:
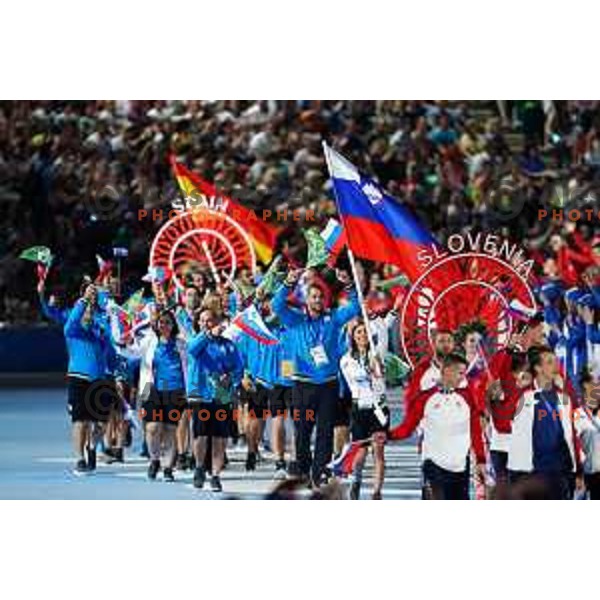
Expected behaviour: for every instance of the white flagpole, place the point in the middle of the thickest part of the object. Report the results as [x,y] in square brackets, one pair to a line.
[359,293]
[211,264]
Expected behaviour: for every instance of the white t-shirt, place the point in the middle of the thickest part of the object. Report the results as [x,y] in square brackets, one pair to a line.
[366,388]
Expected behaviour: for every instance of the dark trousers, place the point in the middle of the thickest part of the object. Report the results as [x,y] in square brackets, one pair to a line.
[314,405]
[441,484]
[592,483]
[499,462]
[561,486]
[542,486]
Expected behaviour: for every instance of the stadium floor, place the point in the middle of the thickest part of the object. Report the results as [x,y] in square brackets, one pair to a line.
[36,461]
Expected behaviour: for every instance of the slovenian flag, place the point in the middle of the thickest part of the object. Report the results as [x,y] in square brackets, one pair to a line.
[249,322]
[120,321]
[377,227]
[157,274]
[104,269]
[335,240]
[343,465]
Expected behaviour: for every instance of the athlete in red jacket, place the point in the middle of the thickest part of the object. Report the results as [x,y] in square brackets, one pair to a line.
[427,373]
[451,426]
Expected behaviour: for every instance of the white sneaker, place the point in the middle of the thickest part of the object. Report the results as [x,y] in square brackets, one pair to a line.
[280,475]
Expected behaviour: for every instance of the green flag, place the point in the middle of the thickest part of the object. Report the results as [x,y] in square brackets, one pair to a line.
[272,277]
[317,251]
[38,254]
[135,302]
[400,280]
[395,370]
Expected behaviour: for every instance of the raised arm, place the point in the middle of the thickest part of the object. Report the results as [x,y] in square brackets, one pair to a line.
[197,343]
[184,322]
[288,316]
[51,312]
[342,314]
[73,325]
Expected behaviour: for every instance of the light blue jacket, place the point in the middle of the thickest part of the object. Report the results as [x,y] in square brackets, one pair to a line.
[208,358]
[309,337]
[87,351]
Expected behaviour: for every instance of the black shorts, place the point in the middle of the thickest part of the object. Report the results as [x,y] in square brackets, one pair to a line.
[280,399]
[164,407]
[92,401]
[258,401]
[365,423]
[342,411]
[211,419]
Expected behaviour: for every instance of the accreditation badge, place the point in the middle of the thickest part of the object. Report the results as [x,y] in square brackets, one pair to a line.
[319,355]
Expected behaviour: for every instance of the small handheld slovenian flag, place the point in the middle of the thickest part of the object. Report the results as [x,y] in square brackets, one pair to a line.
[249,322]
[104,269]
[157,274]
[335,240]
[343,465]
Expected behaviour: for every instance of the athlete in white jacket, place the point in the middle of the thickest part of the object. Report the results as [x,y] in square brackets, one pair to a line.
[363,373]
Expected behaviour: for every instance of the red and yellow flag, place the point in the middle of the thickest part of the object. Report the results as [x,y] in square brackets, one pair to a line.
[262,234]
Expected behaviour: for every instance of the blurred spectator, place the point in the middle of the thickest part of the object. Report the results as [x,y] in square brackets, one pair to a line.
[74,173]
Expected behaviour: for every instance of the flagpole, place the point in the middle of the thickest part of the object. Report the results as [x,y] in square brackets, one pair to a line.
[359,293]
[211,264]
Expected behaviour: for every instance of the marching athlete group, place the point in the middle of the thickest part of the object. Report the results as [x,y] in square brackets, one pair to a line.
[521,424]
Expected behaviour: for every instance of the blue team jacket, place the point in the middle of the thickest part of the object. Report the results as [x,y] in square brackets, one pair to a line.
[85,346]
[210,357]
[306,334]
[263,362]
[53,313]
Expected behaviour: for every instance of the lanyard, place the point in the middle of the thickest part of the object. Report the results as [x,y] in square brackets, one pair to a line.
[315,337]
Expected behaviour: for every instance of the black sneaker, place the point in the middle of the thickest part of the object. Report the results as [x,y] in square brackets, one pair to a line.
[168,474]
[82,466]
[320,480]
[115,456]
[280,471]
[91,459]
[355,491]
[153,469]
[251,461]
[191,462]
[199,478]
[128,436]
[144,453]
[181,463]
[215,484]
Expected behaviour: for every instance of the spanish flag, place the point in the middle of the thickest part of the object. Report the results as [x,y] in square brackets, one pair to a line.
[262,234]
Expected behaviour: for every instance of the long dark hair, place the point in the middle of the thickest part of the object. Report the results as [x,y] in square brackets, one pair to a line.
[354,351]
[174,326]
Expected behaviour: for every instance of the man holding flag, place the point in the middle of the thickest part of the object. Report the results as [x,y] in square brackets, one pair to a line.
[314,335]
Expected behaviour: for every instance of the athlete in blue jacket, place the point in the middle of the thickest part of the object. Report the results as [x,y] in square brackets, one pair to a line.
[266,386]
[215,370]
[86,370]
[314,337]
